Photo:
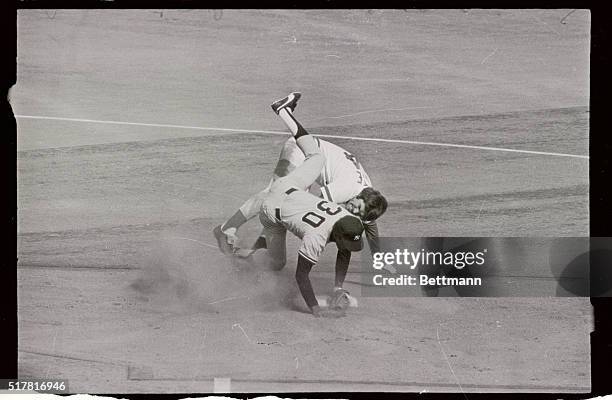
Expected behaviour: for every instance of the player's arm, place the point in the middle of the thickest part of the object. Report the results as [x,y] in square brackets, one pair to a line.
[342,263]
[371,231]
[301,275]
[304,265]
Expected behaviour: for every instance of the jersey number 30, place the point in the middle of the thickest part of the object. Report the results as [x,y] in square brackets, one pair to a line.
[314,219]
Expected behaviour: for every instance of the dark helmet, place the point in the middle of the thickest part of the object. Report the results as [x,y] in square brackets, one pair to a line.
[347,233]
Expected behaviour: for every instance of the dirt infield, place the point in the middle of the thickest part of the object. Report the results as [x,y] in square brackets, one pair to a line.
[119,276]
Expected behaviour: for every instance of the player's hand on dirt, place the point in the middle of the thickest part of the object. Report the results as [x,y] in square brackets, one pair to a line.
[325,312]
[339,300]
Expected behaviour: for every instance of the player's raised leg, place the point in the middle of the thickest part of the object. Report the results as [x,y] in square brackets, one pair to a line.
[304,175]
[284,108]
[289,159]
[301,159]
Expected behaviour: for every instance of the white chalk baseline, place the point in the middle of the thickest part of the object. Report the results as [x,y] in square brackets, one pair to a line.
[358,138]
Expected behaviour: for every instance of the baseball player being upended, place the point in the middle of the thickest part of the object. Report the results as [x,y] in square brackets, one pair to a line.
[286,205]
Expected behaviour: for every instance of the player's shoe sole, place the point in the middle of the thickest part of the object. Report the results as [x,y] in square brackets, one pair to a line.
[222,241]
[287,102]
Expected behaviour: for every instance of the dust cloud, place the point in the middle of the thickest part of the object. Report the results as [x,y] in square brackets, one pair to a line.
[183,275]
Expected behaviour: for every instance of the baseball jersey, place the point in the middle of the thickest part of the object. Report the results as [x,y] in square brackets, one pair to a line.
[308,217]
[342,177]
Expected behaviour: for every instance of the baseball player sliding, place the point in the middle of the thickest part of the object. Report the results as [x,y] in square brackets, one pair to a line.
[286,205]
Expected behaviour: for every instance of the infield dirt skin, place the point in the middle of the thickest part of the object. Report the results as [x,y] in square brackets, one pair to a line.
[121,287]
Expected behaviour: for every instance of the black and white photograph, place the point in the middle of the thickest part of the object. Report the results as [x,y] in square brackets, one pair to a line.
[245,200]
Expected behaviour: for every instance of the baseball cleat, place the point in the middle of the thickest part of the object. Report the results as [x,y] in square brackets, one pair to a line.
[288,102]
[225,240]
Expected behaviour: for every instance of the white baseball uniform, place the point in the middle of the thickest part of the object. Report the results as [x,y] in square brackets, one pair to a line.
[308,217]
[342,177]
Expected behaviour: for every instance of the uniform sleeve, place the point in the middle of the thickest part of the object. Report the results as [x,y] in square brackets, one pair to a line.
[303,281]
[342,263]
[371,231]
[312,246]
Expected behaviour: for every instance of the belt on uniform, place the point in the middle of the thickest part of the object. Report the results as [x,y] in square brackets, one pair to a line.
[277,212]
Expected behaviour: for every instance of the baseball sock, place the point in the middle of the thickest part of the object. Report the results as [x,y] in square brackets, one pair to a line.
[297,130]
[235,221]
[308,145]
[248,210]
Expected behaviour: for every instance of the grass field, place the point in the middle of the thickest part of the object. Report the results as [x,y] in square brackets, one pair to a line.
[130,151]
